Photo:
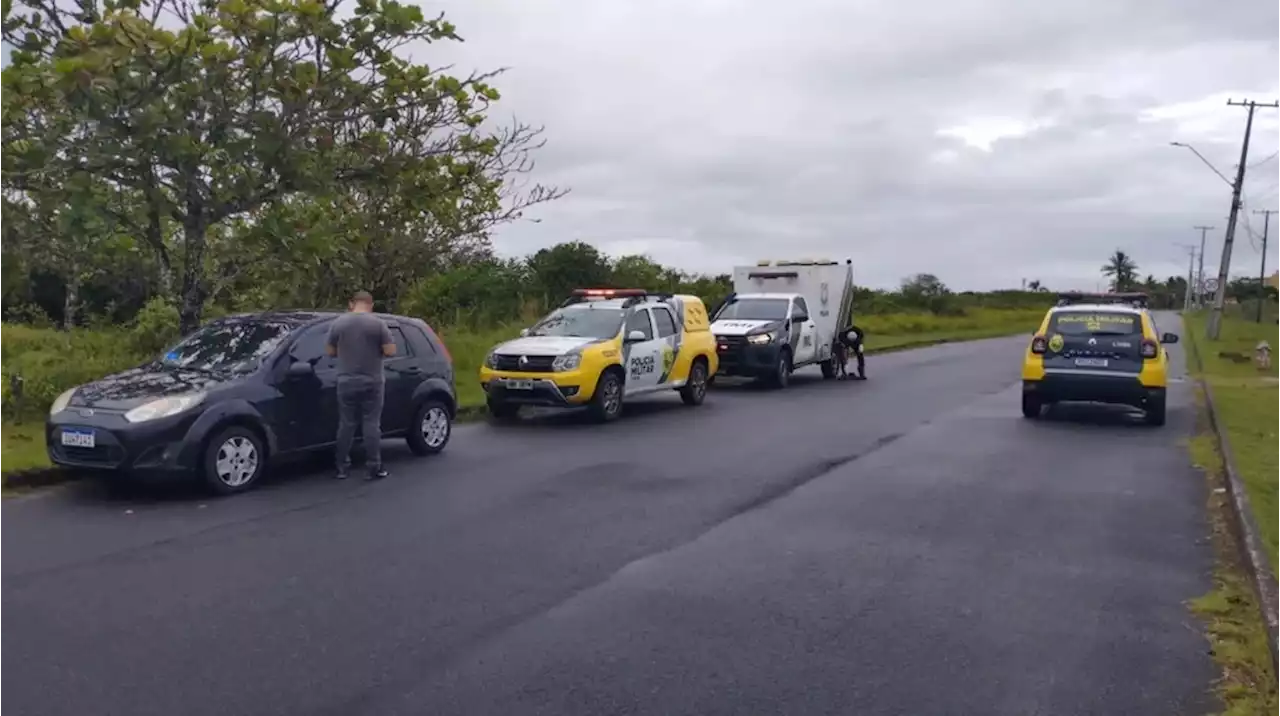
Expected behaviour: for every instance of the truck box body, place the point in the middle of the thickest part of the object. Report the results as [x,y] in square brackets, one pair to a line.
[754,327]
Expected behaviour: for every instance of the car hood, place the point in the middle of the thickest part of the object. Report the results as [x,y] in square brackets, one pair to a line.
[735,327]
[123,391]
[543,345]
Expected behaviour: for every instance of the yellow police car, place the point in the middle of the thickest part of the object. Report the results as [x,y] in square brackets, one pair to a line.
[600,348]
[1097,348]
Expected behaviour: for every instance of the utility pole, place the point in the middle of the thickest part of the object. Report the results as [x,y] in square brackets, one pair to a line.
[1191,273]
[1262,272]
[1200,271]
[1220,298]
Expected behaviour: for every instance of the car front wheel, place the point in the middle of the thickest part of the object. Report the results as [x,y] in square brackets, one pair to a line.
[234,460]
[1031,407]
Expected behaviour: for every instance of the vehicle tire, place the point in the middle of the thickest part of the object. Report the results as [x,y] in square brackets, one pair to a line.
[828,369]
[781,376]
[1155,411]
[1031,406]
[503,412]
[431,428]
[233,461]
[606,403]
[695,390]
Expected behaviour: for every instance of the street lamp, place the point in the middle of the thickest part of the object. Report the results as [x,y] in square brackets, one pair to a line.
[1206,162]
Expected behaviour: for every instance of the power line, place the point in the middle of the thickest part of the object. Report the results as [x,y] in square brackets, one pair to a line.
[1268,158]
[1220,297]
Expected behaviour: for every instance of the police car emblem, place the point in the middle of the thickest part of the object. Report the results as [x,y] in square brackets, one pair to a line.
[524,360]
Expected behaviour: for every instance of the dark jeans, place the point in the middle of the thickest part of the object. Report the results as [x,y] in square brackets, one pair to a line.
[360,403]
[862,361]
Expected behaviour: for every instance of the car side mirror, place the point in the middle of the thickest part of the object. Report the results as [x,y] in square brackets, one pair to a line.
[636,337]
[800,318]
[1169,338]
[524,332]
[300,369]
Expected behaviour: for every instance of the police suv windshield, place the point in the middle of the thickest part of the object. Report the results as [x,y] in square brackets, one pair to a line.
[581,321]
[754,309]
[1095,323]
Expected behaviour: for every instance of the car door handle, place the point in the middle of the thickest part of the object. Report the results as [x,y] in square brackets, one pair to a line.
[413,369]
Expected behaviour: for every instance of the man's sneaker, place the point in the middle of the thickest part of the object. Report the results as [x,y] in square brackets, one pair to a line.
[377,474]
[341,474]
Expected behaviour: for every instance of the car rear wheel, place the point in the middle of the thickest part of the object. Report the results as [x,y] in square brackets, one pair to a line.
[606,403]
[1031,406]
[234,460]
[828,369]
[431,429]
[695,391]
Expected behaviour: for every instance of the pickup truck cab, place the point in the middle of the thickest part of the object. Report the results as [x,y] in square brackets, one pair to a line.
[783,316]
[600,348]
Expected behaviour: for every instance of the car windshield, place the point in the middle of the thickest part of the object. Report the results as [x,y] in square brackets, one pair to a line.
[754,309]
[227,346]
[581,322]
[1091,323]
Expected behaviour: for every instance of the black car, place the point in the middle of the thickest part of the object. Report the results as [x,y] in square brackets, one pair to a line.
[242,391]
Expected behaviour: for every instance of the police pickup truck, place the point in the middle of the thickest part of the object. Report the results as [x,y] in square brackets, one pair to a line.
[781,316]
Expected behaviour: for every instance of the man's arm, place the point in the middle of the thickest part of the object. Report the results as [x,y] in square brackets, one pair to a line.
[331,342]
[388,343]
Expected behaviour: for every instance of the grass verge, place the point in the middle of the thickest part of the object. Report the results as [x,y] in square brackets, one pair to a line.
[23,447]
[1232,611]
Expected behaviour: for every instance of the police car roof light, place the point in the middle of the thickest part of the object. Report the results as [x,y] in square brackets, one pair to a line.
[609,292]
[1132,298]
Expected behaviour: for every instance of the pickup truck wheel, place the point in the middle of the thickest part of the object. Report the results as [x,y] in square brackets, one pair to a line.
[606,403]
[828,369]
[695,391]
[781,377]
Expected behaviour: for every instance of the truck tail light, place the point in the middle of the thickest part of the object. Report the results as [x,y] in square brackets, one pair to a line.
[1039,345]
[1150,349]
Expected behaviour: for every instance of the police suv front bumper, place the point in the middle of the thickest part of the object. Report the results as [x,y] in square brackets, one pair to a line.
[741,357]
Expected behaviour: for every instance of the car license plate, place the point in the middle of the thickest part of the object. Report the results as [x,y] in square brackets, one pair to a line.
[1091,362]
[78,438]
[518,384]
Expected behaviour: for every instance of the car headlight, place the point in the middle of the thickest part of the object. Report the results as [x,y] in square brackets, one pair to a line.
[760,339]
[163,407]
[568,361]
[491,360]
[60,402]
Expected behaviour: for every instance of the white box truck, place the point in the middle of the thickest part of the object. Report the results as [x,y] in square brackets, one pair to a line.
[781,316]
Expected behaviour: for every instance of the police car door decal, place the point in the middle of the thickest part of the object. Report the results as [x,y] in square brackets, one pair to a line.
[643,358]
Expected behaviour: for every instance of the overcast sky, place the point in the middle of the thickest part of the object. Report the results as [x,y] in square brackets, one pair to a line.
[984,141]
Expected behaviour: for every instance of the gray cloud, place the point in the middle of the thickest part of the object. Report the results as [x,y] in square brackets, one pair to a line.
[986,141]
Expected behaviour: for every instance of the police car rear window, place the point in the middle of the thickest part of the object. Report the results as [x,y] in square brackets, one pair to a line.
[1078,323]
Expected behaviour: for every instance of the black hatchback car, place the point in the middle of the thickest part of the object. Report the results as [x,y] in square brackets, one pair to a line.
[242,391]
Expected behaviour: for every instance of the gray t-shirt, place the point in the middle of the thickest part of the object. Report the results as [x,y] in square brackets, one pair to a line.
[358,339]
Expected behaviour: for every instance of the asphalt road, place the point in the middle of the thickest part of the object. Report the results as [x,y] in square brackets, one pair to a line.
[905,545]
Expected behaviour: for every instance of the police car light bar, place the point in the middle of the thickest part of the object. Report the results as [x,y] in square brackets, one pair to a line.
[1132,298]
[609,292]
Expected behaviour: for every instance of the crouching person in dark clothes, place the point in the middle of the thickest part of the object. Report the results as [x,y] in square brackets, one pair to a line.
[851,338]
[360,340]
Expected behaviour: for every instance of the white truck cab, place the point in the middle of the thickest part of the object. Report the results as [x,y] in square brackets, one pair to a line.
[781,316]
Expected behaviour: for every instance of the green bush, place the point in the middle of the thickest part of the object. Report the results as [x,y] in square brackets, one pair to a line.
[49,362]
[155,327]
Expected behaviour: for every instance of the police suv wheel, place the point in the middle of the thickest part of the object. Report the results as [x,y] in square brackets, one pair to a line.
[781,377]
[1031,406]
[606,403]
[695,390]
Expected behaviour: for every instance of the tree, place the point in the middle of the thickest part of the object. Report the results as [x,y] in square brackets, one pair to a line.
[209,111]
[1122,271]
[556,271]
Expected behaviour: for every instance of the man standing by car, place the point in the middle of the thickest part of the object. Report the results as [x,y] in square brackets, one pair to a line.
[360,340]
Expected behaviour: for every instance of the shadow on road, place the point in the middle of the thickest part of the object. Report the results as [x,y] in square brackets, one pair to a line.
[1095,415]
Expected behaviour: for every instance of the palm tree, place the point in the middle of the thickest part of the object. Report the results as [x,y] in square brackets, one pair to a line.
[1122,271]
